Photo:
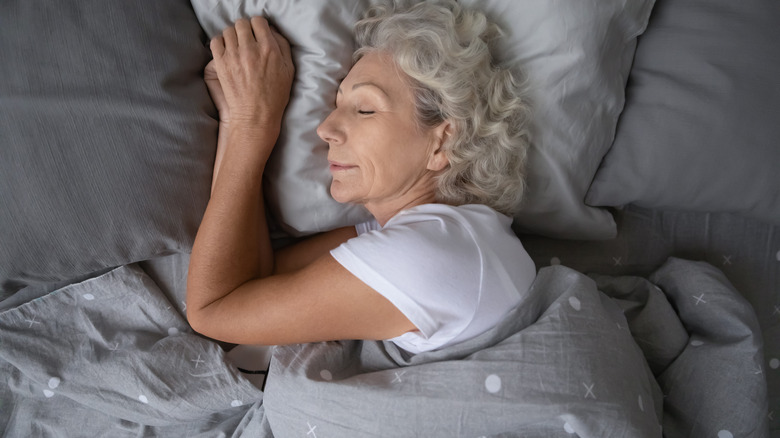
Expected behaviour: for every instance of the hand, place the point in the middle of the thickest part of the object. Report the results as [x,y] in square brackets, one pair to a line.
[215,90]
[254,73]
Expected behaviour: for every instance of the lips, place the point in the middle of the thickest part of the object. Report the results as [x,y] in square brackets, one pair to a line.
[336,166]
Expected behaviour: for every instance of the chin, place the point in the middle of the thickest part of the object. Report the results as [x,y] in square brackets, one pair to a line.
[338,193]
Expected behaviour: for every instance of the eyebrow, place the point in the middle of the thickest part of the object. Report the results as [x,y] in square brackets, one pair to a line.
[363,84]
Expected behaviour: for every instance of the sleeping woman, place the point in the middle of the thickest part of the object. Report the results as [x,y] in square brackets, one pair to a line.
[427,134]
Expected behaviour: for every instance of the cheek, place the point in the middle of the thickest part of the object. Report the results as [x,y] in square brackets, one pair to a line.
[385,169]
[389,157]
[408,157]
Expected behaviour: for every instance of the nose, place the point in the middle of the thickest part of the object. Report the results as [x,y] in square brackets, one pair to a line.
[330,130]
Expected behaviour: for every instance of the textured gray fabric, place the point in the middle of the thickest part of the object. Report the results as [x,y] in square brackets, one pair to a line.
[715,346]
[107,132]
[723,355]
[518,387]
[700,129]
[576,56]
[112,357]
[747,251]
[562,362]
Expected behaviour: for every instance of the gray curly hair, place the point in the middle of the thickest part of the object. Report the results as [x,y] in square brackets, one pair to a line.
[444,51]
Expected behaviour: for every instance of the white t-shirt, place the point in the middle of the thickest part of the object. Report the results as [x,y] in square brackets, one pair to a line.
[455,272]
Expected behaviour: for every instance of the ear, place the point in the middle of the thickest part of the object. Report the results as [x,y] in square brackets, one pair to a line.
[437,160]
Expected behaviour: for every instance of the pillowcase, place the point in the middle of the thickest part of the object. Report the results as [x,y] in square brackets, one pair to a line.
[576,57]
[700,130]
[108,136]
[575,54]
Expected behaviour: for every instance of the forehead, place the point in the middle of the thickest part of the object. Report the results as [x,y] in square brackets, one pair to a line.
[373,63]
[378,69]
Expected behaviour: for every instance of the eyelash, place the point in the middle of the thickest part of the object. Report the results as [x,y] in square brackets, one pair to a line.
[365,113]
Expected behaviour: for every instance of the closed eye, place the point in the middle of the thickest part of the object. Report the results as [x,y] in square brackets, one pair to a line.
[365,112]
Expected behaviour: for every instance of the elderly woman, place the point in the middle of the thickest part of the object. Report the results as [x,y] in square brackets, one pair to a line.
[427,134]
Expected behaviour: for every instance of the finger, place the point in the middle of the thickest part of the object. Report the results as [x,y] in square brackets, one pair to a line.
[284,45]
[217,46]
[244,32]
[230,37]
[261,29]
[210,70]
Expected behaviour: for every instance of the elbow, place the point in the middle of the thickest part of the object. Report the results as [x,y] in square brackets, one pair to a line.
[207,320]
[198,322]
[203,324]
[197,314]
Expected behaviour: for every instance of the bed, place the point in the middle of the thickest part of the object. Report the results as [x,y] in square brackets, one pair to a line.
[653,217]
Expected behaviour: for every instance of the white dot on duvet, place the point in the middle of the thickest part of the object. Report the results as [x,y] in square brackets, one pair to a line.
[697,343]
[725,434]
[641,404]
[774,363]
[54,382]
[143,399]
[236,403]
[574,302]
[567,427]
[555,261]
[493,383]
[48,393]
[88,297]
[326,375]
[173,331]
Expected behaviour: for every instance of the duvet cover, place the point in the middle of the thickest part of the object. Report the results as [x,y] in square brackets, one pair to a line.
[678,354]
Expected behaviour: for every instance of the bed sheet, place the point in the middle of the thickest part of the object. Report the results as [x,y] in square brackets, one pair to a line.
[113,356]
[746,250]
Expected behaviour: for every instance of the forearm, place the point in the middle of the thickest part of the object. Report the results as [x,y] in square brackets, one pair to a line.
[232,245]
[221,146]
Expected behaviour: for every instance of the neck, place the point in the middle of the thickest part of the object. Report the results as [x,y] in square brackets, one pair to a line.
[384,211]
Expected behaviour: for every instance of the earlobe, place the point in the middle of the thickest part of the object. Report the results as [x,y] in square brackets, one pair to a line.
[438,159]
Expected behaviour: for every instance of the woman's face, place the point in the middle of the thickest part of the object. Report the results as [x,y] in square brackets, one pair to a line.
[378,154]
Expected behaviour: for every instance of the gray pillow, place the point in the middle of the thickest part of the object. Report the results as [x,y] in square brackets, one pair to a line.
[702,120]
[108,135]
[576,54]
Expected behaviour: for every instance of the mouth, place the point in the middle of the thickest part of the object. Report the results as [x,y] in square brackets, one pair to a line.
[335,166]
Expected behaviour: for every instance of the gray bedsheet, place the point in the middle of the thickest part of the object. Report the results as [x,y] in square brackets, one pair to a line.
[747,251]
[590,357]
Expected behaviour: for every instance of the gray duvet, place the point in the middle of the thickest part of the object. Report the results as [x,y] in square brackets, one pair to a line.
[677,354]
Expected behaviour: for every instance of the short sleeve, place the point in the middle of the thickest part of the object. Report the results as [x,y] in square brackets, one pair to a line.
[428,266]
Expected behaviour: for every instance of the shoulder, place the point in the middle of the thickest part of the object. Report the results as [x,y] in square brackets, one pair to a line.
[437,227]
[433,243]
[446,226]
[437,218]
[451,213]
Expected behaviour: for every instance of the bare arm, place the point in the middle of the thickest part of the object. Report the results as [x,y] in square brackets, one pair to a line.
[232,245]
[302,254]
[232,294]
